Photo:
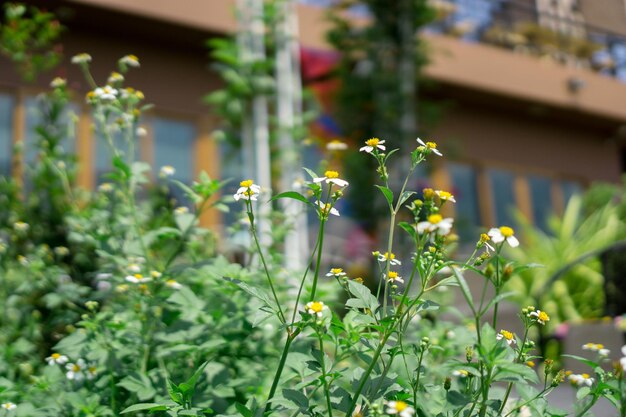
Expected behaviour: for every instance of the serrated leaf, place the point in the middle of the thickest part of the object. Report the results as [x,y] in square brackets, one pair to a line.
[409,228]
[296,397]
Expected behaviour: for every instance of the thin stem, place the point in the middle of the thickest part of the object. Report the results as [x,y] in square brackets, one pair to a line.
[325,382]
[497,285]
[279,371]
[281,315]
[318,262]
[591,404]
[519,357]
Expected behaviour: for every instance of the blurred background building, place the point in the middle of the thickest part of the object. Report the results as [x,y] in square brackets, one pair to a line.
[534,93]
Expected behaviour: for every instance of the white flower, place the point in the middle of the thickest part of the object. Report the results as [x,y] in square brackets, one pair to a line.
[435,223]
[336,272]
[115,77]
[503,233]
[316,307]
[81,58]
[462,373]
[542,316]
[134,268]
[384,257]
[428,147]
[141,131]
[336,145]
[326,209]
[581,379]
[371,144]
[173,284]
[21,226]
[58,82]
[75,371]
[181,210]
[105,93]
[8,406]
[596,347]
[622,361]
[445,196]
[129,60]
[91,372]
[105,187]
[524,411]
[400,408]
[393,277]
[508,336]
[331,177]
[137,278]
[167,171]
[248,190]
[56,358]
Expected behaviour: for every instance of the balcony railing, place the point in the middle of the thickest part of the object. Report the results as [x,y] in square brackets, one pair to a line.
[518,25]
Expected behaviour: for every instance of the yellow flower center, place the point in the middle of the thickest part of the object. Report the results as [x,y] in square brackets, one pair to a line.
[444,195]
[246,183]
[372,142]
[484,237]
[249,192]
[55,356]
[316,306]
[336,271]
[331,174]
[530,364]
[393,274]
[543,316]
[390,256]
[138,276]
[132,58]
[170,282]
[359,280]
[401,405]
[434,218]
[431,145]
[585,376]
[75,368]
[92,369]
[507,335]
[506,231]
[599,346]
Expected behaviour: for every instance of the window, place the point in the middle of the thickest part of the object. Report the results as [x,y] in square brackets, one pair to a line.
[465,191]
[174,144]
[7,104]
[570,189]
[502,183]
[541,199]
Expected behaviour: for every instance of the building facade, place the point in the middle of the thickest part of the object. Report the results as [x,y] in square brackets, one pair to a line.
[528,126]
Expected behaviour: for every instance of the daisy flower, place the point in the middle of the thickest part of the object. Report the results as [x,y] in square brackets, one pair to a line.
[137,279]
[331,177]
[371,144]
[81,59]
[428,147]
[8,406]
[248,190]
[503,233]
[336,145]
[173,284]
[581,380]
[506,335]
[57,358]
[541,316]
[393,277]
[75,371]
[167,171]
[336,272]
[316,307]
[445,196]
[400,408]
[129,60]
[384,257]
[435,223]
[326,208]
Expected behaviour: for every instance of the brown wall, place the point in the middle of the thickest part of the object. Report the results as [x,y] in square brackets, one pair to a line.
[521,141]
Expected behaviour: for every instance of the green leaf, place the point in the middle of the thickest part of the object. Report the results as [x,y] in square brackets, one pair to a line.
[138,384]
[409,228]
[144,407]
[587,362]
[174,392]
[405,196]
[582,393]
[296,397]
[363,295]
[293,195]
[184,221]
[311,173]
[253,291]
[387,193]
[515,372]
[497,299]
[190,384]
[464,288]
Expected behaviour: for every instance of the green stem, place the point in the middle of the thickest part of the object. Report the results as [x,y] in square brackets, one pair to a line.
[318,262]
[519,357]
[279,371]
[591,404]
[326,386]
[281,315]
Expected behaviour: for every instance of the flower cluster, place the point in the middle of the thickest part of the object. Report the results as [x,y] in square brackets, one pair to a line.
[596,347]
[580,380]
